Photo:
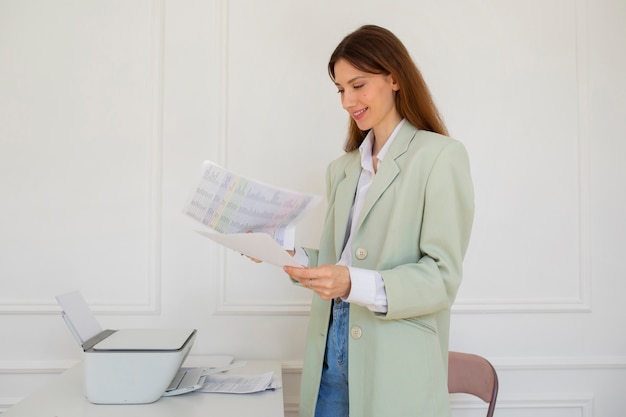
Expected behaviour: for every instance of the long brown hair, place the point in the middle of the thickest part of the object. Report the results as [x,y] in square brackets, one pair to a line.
[376,50]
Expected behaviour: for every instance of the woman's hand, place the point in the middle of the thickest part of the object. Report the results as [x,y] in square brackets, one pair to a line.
[328,281]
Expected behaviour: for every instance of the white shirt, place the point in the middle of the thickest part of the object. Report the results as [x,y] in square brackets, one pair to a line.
[368,287]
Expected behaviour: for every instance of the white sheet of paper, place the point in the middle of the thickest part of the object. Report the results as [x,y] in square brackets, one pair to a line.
[83,323]
[238,384]
[256,245]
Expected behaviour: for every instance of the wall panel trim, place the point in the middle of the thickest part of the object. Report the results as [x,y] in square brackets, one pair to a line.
[581,405]
[581,304]
[151,302]
[225,306]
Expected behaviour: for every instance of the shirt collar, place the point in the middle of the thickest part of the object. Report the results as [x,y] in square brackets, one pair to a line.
[365,149]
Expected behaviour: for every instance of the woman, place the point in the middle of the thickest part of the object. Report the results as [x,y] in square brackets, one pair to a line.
[400,210]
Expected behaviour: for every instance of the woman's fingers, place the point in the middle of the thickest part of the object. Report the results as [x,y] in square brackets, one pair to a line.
[329,281]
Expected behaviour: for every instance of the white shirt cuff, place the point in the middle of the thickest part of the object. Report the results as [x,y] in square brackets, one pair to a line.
[367,289]
[300,256]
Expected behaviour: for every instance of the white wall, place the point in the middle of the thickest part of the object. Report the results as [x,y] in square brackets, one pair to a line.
[107,110]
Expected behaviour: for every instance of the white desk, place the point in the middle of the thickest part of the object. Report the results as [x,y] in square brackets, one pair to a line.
[64,397]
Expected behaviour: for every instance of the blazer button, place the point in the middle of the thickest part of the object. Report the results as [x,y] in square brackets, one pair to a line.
[361,253]
[356,332]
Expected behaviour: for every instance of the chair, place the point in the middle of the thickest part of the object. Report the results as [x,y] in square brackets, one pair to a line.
[473,374]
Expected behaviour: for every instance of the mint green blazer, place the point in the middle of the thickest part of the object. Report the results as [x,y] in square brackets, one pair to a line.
[414,229]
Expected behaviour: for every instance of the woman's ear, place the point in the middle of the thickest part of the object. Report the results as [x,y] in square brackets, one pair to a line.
[395,86]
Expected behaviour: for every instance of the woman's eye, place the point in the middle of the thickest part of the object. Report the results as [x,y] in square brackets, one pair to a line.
[339,91]
[357,86]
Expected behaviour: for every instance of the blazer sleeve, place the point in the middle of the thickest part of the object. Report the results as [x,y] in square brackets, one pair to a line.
[431,284]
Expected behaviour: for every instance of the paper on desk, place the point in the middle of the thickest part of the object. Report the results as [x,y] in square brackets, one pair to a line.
[239,384]
[256,245]
[230,203]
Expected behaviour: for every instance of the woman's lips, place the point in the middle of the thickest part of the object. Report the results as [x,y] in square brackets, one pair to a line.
[359,114]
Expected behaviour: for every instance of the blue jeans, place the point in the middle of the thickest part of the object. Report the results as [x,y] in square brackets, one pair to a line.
[332,400]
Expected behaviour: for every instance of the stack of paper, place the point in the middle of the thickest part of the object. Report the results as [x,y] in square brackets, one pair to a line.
[240,384]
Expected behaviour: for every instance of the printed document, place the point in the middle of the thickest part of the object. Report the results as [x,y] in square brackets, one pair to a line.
[240,384]
[234,206]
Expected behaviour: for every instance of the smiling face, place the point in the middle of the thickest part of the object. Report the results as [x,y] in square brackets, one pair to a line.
[369,98]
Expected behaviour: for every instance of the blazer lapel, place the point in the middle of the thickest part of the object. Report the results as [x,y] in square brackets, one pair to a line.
[344,198]
[388,171]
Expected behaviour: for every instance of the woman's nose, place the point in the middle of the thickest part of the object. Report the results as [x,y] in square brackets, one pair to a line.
[347,100]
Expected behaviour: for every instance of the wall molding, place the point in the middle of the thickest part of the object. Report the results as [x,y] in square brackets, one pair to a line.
[151,302]
[582,303]
[565,363]
[520,363]
[581,405]
[293,367]
[270,308]
[224,305]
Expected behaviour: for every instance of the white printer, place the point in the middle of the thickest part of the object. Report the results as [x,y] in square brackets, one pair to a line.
[126,366]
